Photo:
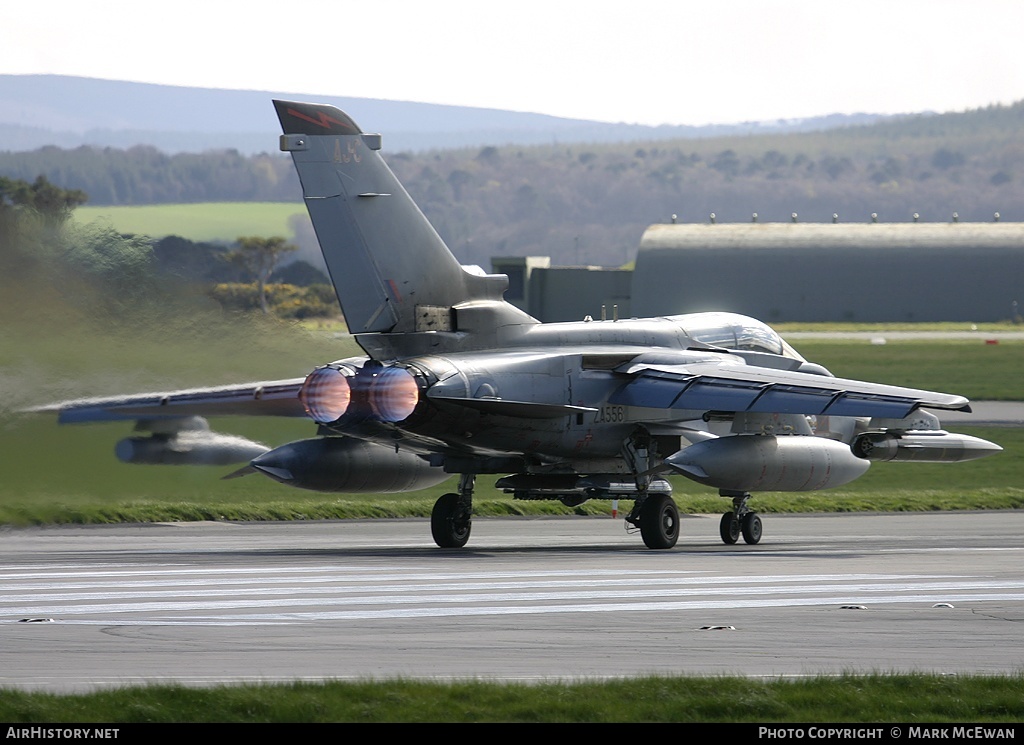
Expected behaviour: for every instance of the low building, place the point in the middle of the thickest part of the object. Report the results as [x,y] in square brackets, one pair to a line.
[832,272]
[564,293]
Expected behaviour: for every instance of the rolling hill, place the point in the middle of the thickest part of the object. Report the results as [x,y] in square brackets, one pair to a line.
[65,111]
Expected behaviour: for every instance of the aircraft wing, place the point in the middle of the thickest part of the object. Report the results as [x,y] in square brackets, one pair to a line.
[268,398]
[709,386]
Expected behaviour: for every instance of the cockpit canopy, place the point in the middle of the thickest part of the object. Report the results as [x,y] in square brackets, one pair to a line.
[733,331]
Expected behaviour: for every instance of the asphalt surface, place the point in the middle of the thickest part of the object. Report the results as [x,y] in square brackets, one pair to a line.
[985,414]
[526,600]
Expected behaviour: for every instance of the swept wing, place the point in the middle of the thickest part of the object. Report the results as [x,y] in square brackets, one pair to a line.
[710,387]
[268,398]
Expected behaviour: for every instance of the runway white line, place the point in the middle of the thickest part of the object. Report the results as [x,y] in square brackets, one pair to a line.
[392,595]
[612,607]
[429,582]
[347,573]
[897,590]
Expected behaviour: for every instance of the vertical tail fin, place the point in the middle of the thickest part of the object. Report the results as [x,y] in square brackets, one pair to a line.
[388,264]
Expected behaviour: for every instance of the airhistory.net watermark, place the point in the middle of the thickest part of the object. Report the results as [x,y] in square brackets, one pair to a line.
[62,733]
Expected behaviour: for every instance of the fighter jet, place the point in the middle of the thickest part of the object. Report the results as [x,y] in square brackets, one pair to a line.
[455,380]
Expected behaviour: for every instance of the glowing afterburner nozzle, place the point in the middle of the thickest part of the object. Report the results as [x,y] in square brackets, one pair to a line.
[326,394]
[392,393]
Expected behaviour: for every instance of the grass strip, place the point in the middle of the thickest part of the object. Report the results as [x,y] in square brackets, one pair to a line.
[875,698]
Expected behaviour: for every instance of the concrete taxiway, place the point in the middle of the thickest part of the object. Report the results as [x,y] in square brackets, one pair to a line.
[986,414]
[527,600]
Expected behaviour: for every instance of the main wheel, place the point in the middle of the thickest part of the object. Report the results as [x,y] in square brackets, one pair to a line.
[751,528]
[729,528]
[659,521]
[450,522]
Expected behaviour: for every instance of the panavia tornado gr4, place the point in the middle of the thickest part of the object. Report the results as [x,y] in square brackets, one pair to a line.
[455,380]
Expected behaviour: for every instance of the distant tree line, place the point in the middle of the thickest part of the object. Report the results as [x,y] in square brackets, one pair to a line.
[42,250]
[144,175]
[101,272]
[248,276]
[590,204]
[40,198]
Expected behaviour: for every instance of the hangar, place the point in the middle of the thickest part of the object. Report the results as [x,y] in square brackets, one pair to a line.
[869,272]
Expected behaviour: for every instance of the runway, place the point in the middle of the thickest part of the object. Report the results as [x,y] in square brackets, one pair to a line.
[528,600]
[985,414]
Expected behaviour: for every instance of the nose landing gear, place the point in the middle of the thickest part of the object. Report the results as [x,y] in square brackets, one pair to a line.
[741,521]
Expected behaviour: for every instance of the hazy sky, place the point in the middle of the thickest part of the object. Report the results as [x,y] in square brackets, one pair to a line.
[646,61]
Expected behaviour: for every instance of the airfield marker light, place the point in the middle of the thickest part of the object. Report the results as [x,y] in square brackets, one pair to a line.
[326,394]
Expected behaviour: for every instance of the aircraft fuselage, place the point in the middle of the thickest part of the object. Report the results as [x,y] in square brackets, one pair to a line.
[544,393]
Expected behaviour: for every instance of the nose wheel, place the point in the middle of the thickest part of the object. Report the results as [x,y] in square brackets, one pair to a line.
[729,528]
[750,526]
[741,521]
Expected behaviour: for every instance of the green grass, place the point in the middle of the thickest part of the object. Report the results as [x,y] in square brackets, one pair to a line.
[871,698]
[969,367]
[216,221]
[881,328]
[69,475]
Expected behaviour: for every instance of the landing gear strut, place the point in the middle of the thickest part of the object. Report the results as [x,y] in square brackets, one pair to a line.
[655,514]
[742,520]
[451,519]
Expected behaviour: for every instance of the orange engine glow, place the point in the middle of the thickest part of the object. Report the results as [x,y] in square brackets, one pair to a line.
[375,392]
[326,394]
[392,394]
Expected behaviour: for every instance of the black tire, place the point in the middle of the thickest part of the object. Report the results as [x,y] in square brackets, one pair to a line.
[450,522]
[659,522]
[751,525]
[729,528]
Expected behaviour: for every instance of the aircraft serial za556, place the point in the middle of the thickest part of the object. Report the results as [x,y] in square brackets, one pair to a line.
[457,381]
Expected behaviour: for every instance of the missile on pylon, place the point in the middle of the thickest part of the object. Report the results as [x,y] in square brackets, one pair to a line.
[188,448]
[921,446]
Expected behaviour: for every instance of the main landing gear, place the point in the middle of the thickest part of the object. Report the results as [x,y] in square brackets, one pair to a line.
[741,520]
[451,519]
[655,513]
[657,517]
